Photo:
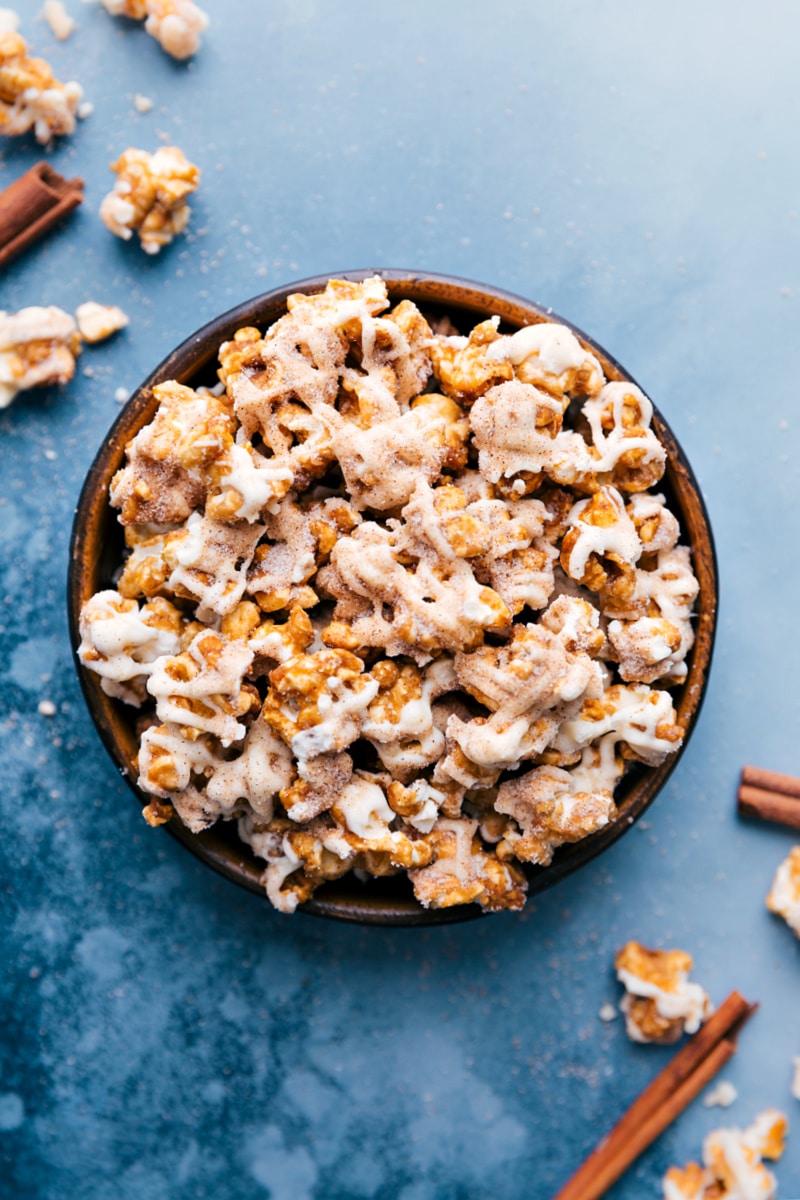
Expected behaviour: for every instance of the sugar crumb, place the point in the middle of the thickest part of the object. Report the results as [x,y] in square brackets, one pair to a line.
[722,1096]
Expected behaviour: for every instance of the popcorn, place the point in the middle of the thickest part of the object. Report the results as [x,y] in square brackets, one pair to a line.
[733,1166]
[175,24]
[550,809]
[354,605]
[465,367]
[122,642]
[550,357]
[463,873]
[38,348]
[169,762]
[784,895]
[30,95]
[97,322]
[149,196]
[660,1003]
[202,688]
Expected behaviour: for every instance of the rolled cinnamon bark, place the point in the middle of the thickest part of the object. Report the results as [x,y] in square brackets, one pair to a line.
[32,205]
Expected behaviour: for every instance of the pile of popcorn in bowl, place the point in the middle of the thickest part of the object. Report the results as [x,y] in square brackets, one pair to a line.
[395,598]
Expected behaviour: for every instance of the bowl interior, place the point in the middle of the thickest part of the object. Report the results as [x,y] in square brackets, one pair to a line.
[97,550]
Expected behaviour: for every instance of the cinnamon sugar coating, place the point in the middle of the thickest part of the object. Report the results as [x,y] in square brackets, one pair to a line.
[396,608]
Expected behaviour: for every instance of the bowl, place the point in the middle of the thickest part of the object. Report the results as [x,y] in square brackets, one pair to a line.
[97,547]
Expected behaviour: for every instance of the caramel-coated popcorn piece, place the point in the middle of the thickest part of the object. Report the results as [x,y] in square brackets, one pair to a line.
[784,895]
[175,24]
[660,1002]
[550,357]
[462,872]
[97,322]
[203,688]
[317,702]
[121,642]
[732,1164]
[38,347]
[550,808]
[165,478]
[30,95]
[203,786]
[626,451]
[642,720]
[465,367]
[149,197]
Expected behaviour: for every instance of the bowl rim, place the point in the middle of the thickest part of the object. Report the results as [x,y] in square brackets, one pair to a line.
[337,901]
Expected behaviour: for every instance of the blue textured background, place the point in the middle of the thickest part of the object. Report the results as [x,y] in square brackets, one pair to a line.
[634,166]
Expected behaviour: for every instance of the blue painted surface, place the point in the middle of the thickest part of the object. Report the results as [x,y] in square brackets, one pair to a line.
[167,1035]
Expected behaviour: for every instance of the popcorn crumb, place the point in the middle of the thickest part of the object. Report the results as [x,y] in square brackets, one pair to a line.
[50,455]
[46,708]
[97,322]
[796,1078]
[142,104]
[59,20]
[608,1013]
[722,1096]
[9,20]
[121,395]
[85,109]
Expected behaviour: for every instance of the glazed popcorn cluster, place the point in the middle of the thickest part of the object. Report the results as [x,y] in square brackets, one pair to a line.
[149,196]
[733,1167]
[31,98]
[402,599]
[660,1002]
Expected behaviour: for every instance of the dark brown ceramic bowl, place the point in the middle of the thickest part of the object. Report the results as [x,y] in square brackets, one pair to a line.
[97,550]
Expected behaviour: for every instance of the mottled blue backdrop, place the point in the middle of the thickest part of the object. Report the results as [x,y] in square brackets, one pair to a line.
[168,1036]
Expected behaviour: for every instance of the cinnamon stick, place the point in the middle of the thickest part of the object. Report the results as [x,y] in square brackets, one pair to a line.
[771,781]
[671,1091]
[32,205]
[769,806]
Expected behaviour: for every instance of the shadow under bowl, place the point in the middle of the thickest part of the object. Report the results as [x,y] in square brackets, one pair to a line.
[97,551]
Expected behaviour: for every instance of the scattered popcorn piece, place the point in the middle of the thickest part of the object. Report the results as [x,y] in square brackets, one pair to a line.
[608,1013]
[784,895]
[149,196]
[175,24]
[732,1164]
[660,1003]
[9,20]
[99,321]
[38,347]
[59,20]
[122,395]
[46,708]
[142,104]
[721,1096]
[30,95]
